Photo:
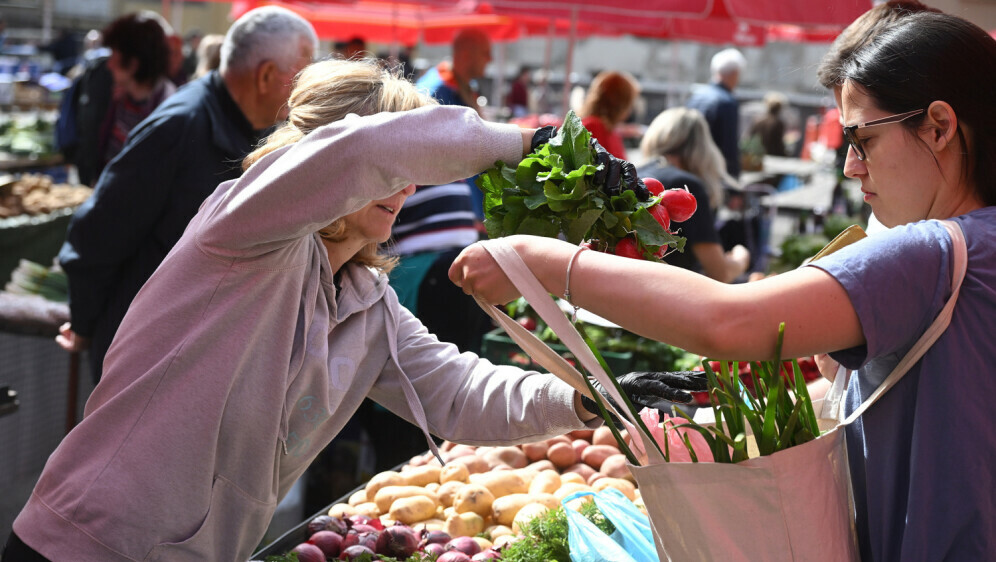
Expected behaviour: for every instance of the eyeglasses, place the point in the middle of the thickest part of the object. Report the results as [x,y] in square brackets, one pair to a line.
[855,142]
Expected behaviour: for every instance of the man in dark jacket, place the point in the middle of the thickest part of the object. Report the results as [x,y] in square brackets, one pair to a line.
[170,163]
[721,108]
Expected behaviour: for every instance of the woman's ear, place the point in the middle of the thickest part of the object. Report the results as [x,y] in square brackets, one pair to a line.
[941,126]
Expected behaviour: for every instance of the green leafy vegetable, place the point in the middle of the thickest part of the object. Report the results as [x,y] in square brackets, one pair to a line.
[550,193]
[545,537]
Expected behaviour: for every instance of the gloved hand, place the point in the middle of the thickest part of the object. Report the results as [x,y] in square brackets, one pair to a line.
[614,173]
[652,389]
[617,175]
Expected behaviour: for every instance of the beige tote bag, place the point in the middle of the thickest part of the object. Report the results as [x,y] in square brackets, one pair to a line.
[792,505]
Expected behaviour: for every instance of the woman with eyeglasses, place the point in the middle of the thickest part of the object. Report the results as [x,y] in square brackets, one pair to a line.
[917,105]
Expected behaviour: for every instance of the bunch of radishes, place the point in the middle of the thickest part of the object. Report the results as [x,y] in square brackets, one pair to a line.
[673,205]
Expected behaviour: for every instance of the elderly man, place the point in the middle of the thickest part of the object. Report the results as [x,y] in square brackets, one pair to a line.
[453,83]
[720,108]
[170,163]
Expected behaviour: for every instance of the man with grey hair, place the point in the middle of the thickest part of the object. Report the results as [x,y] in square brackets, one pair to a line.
[170,163]
[720,108]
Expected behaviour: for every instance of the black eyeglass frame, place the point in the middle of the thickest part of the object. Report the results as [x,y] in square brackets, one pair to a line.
[853,140]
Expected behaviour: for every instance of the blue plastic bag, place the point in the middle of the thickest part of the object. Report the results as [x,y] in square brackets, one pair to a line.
[633,541]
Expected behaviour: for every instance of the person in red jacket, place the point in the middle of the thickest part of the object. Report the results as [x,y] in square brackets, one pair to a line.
[609,102]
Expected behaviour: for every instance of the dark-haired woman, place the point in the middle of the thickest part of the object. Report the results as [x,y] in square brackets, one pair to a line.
[917,104]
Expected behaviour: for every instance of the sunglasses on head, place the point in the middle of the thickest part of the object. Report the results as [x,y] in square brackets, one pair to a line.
[855,142]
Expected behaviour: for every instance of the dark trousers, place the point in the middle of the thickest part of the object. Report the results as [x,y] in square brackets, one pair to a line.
[17,551]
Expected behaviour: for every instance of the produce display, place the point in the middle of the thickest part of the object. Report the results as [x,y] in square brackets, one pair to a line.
[37,194]
[551,193]
[485,503]
[31,136]
[30,278]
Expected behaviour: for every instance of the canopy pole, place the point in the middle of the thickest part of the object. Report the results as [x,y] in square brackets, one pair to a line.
[571,38]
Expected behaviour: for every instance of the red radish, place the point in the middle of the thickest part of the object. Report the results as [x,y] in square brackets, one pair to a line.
[627,248]
[659,212]
[680,204]
[527,323]
[653,185]
[309,553]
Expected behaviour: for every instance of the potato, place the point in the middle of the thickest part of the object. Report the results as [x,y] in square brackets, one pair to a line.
[422,475]
[465,524]
[595,455]
[576,503]
[625,486]
[496,531]
[454,472]
[541,465]
[358,497]
[562,455]
[571,477]
[512,456]
[388,478]
[603,436]
[503,509]
[501,483]
[412,509]
[388,494]
[505,540]
[581,434]
[546,482]
[558,439]
[526,514]
[342,510]
[432,487]
[432,524]
[569,488]
[475,463]
[535,451]
[447,491]
[460,450]
[615,466]
[475,498]
[482,542]
[579,446]
[595,476]
[581,468]
[369,509]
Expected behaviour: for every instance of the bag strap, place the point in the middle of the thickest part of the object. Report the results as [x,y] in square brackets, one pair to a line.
[541,301]
[936,328]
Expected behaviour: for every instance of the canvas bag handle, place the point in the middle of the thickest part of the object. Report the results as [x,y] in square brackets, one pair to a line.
[519,274]
[936,328]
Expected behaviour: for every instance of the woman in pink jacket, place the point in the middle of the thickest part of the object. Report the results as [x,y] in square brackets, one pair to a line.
[267,325]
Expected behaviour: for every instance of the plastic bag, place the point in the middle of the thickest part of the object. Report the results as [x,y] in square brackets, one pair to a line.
[633,540]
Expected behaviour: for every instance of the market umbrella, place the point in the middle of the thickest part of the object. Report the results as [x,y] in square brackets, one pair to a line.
[393,22]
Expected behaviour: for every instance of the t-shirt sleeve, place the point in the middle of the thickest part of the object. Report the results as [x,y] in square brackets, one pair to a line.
[897,281]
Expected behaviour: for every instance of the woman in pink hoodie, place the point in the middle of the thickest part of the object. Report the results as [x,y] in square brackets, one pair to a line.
[267,325]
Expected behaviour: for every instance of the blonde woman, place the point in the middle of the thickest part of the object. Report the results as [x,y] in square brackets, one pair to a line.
[608,103]
[683,154]
[267,325]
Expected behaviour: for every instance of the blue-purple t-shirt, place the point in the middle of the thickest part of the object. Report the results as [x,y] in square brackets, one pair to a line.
[923,458]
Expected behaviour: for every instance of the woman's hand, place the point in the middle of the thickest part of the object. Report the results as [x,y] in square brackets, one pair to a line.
[70,340]
[827,366]
[477,273]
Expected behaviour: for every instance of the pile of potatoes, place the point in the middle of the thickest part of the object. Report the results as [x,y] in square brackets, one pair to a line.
[493,490]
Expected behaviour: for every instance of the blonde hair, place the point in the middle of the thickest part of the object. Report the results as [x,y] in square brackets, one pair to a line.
[683,132]
[610,97]
[327,91]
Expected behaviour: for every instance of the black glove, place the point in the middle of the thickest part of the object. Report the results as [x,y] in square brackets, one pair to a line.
[652,389]
[541,137]
[617,174]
